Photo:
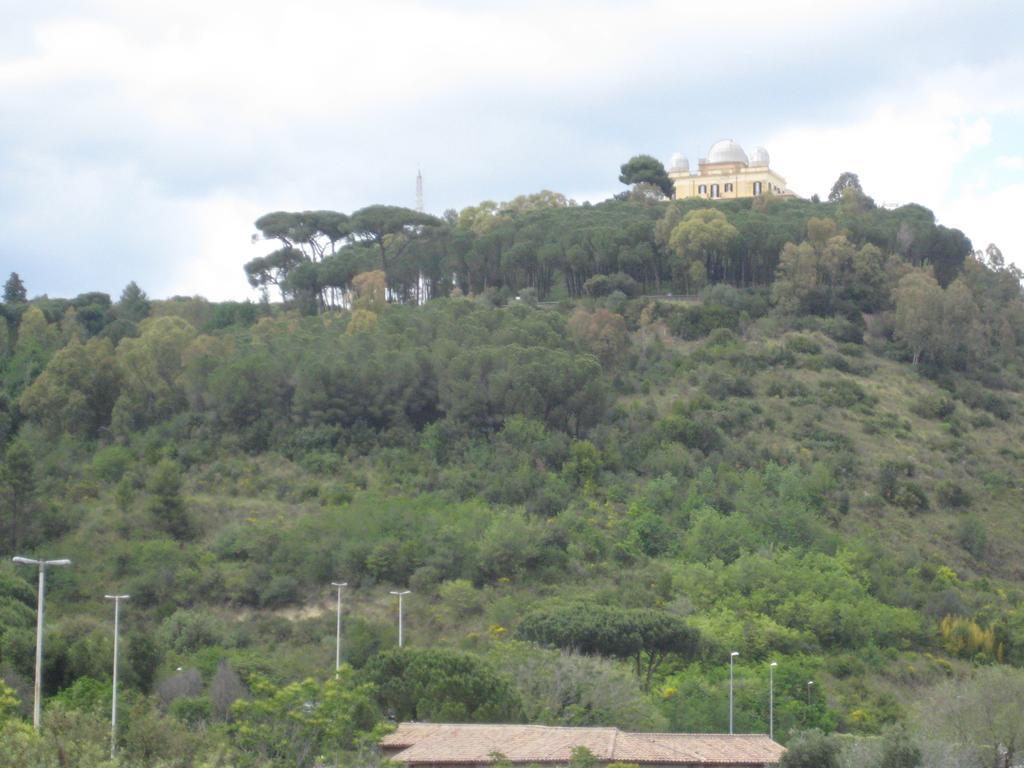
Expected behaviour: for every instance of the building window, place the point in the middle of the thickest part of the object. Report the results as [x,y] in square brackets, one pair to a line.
[757,187]
[714,190]
[728,187]
[702,189]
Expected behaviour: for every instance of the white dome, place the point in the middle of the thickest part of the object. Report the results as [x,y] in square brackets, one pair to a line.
[679,162]
[727,151]
[759,156]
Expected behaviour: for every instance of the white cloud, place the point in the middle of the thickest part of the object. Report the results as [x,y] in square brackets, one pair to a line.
[186,120]
[213,267]
[992,217]
[924,145]
[1011,162]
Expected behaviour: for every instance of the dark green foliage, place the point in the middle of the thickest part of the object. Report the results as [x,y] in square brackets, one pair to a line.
[603,285]
[846,180]
[643,635]
[583,758]
[897,488]
[644,169]
[899,751]
[811,749]
[976,396]
[934,406]
[952,494]
[14,290]
[134,305]
[442,685]
[844,393]
[167,506]
[583,476]
[17,489]
[972,536]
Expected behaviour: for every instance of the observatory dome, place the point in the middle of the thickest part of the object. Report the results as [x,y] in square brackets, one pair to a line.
[727,151]
[679,162]
[759,156]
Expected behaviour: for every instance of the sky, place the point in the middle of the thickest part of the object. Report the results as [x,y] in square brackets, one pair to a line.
[140,140]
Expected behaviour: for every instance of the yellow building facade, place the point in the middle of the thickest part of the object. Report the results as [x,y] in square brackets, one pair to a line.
[727,173]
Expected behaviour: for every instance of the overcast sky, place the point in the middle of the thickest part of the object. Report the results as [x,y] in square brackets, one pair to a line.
[139,140]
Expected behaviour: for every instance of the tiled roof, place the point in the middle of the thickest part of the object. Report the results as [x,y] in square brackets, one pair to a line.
[426,743]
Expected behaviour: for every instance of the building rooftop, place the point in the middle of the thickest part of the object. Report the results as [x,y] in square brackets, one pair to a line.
[425,743]
[726,151]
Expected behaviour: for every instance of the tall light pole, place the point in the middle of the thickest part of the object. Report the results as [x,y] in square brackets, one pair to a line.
[400,596]
[732,658]
[41,564]
[337,631]
[113,702]
[771,699]
[809,684]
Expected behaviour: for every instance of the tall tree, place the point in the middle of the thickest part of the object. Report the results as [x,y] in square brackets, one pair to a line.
[307,238]
[134,303]
[76,392]
[700,243]
[812,749]
[443,685]
[642,635]
[644,169]
[167,506]
[978,721]
[389,227]
[315,233]
[151,367]
[17,490]
[299,723]
[14,290]
[846,180]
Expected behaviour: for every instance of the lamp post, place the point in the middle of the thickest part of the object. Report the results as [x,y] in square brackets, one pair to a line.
[732,658]
[337,630]
[400,596]
[41,564]
[809,684]
[771,699]
[113,702]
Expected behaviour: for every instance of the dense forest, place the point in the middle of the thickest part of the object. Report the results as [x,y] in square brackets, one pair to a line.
[603,446]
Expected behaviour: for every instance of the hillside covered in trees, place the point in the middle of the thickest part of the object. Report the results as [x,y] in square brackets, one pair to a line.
[805,448]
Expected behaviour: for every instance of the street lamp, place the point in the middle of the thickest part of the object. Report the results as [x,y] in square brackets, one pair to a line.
[41,564]
[400,596]
[809,684]
[771,699]
[337,631]
[732,658]
[113,703]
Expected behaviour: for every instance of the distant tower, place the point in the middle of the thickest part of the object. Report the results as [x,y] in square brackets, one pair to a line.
[419,191]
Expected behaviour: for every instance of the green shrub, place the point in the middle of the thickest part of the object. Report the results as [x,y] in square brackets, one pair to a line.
[934,406]
[844,393]
[971,535]
[978,397]
[951,494]
[191,710]
[811,749]
[802,344]
[911,497]
[720,337]
[186,631]
[464,599]
[112,462]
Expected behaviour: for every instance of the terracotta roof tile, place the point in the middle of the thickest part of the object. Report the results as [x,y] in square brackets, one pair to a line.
[430,743]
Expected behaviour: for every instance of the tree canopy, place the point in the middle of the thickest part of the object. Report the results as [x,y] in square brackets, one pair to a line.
[644,169]
[646,636]
[846,180]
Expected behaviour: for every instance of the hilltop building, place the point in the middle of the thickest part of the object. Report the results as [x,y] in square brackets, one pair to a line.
[442,745]
[727,173]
